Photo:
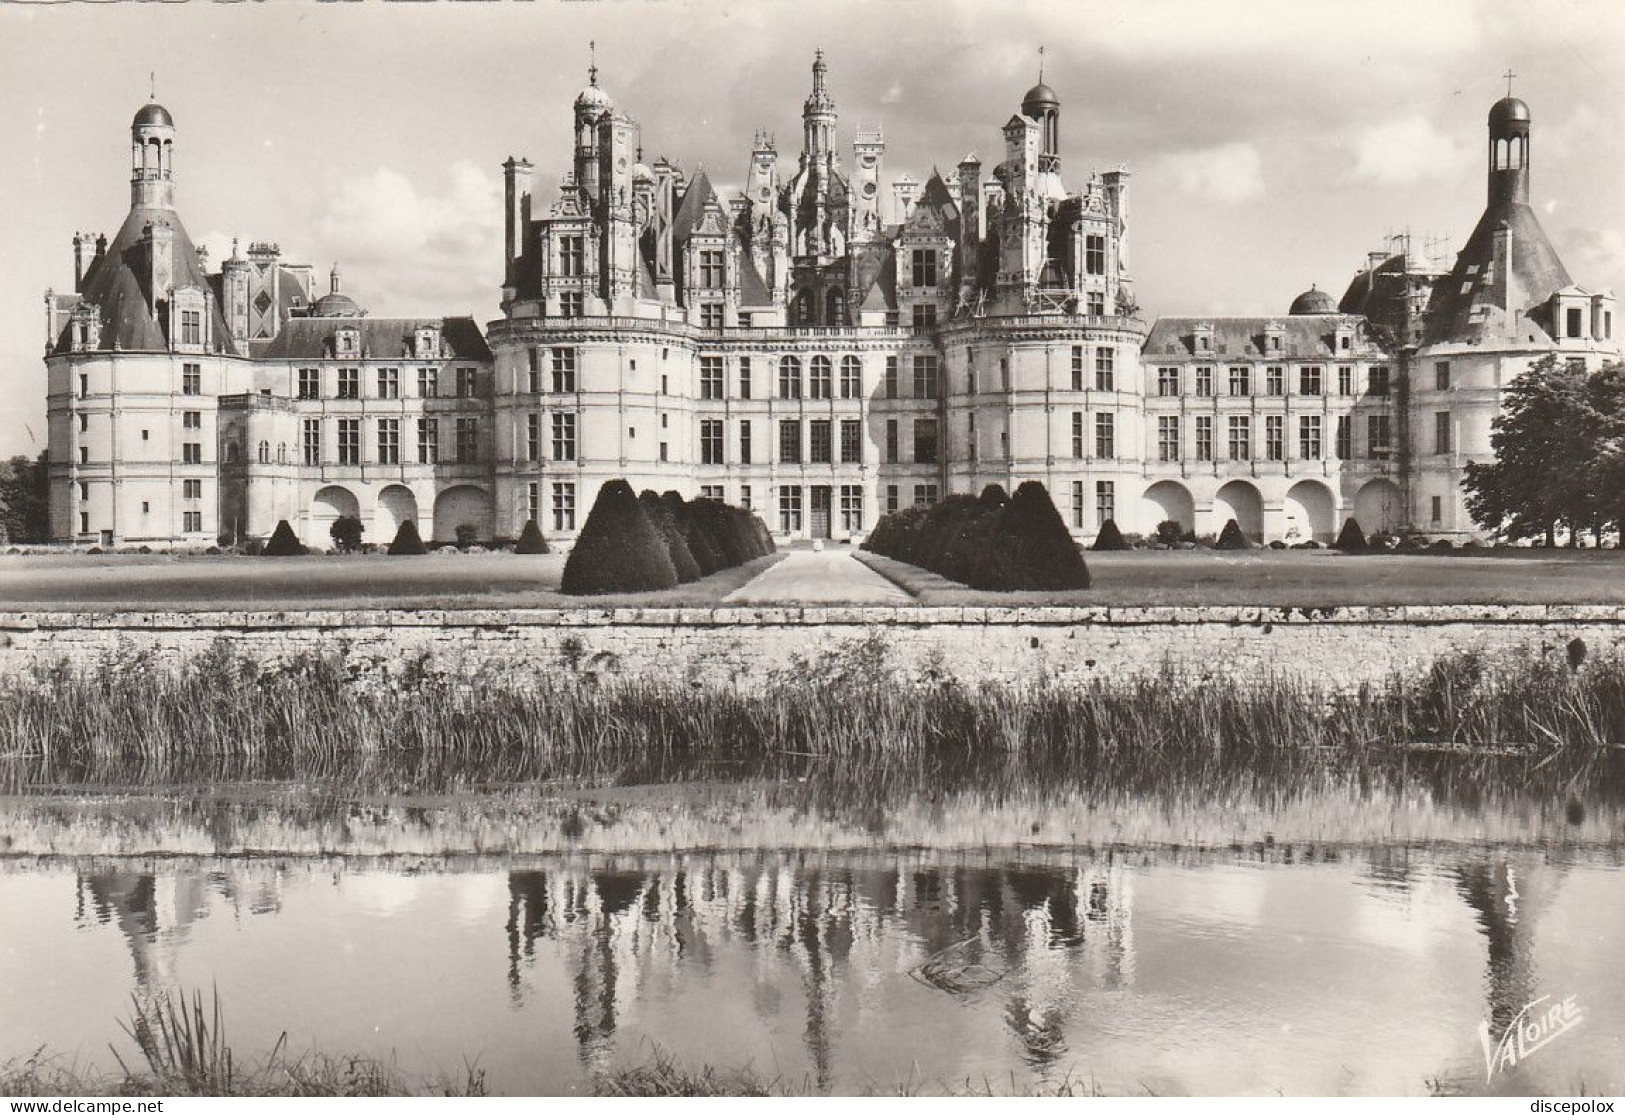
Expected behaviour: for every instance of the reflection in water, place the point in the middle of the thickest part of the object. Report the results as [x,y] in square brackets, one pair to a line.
[1508,902]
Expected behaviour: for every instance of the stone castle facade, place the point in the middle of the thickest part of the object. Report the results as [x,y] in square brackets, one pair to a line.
[820,345]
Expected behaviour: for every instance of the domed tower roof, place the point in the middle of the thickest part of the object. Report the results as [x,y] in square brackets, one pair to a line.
[335,305]
[1040,96]
[593,99]
[1313,301]
[153,115]
[1508,110]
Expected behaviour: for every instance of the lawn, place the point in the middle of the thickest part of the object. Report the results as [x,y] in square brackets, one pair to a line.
[171,582]
[1306,579]
[1294,578]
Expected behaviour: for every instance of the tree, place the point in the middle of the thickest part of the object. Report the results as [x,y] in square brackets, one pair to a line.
[1545,439]
[1030,548]
[531,540]
[618,549]
[1231,537]
[1351,539]
[407,540]
[1109,537]
[284,542]
[25,500]
[346,532]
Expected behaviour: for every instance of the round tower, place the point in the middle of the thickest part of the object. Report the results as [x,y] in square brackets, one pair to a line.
[1041,104]
[818,113]
[1509,152]
[152,151]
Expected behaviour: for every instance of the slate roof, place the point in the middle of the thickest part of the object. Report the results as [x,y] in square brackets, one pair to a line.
[382,338]
[753,290]
[1305,337]
[692,208]
[116,283]
[1457,310]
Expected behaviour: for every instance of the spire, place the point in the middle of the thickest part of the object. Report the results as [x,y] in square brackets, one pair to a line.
[1509,75]
[334,279]
[592,68]
[1041,65]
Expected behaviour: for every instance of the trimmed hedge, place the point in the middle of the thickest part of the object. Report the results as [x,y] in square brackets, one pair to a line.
[1351,539]
[682,559]
[991,542]
[619,549]
[284,542]
[531,540]
[407,541]
[1109,538]
[346,531]
[1231,538]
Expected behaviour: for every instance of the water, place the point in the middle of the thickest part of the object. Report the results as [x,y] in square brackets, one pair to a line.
[1347,938]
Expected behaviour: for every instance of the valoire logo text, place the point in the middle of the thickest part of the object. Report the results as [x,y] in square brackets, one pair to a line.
[1529,1031]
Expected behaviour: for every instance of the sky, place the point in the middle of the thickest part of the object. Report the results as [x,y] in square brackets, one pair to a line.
[1271,144]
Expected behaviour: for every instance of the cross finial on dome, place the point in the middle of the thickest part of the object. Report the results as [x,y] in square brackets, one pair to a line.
[1040,65]
[1509,75]
[152,85]
[592,68]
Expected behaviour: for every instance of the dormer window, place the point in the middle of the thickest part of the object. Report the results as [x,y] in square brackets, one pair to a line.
[346,342]
[1203,338]
[426,343]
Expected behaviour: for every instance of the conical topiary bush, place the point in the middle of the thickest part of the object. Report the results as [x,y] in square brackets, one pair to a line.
[970,543]
[284,542]
[619,549]
[1109,538]
[682,559]
[700,545]
[407,541]
[1231,538]
[1031,548]
[531,540]
[1351,539]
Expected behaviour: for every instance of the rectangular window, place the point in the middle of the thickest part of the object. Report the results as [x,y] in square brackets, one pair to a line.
[572,304]
[710,377]
[572,256]
[891,441]
[467,383]
[191,420]
[1105,437]
[389,383]
[744,377]
[1241,380]
[925,376]
[1204,437]
[790,441]
[711,315]
[191,379]
[533,502]
[1275,380]
[1204,381]
[1274,437]
[310,383]
[744,496]
[851,377]
[311,439]
[564,436]
[1309,380]
[713,491]
[851,507]
[789,377]
[1575,323]
[468,440]
[711,269]
[820,384]
[1095,304]
[349,383]
[533,370]
[1167,438]
[191,327]
[923,315]
[1379,435]
[819,438]
[924,267]
[533,437]
[1345,380]
[1441,431]
[1345,437]
[389,441]
[1441,375]
[1077,367]
[1167,382]
[1094,255]
[349,441]
[84,385]
[891,377]
[1379,381]
[710,441]
[1309,442]
[789,509]
[1077,434]
[1105,501]
[925,495]
[1437,510]
[191,489]
[891,498]
[744,442]
[1241,438]
[191,521]
[191,453]
[428,441]
[851,441]
[970,436]
[1105,369]
[564,507]
[1077,505]
[665,451]
[925,441]
[428,383]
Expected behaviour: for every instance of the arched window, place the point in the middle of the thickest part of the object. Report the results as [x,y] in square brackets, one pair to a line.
[820,385]
[281,452]
[851,378]
[835,308]
[265,452]
[789,377]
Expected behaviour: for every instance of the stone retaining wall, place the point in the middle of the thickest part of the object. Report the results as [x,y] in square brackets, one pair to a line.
[1339,647]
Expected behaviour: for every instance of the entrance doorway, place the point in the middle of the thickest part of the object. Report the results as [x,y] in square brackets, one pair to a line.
[820,511]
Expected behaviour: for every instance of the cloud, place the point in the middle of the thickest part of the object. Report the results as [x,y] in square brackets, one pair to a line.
[1404,151]
[1229,174]
[409,248]
[1595,257]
